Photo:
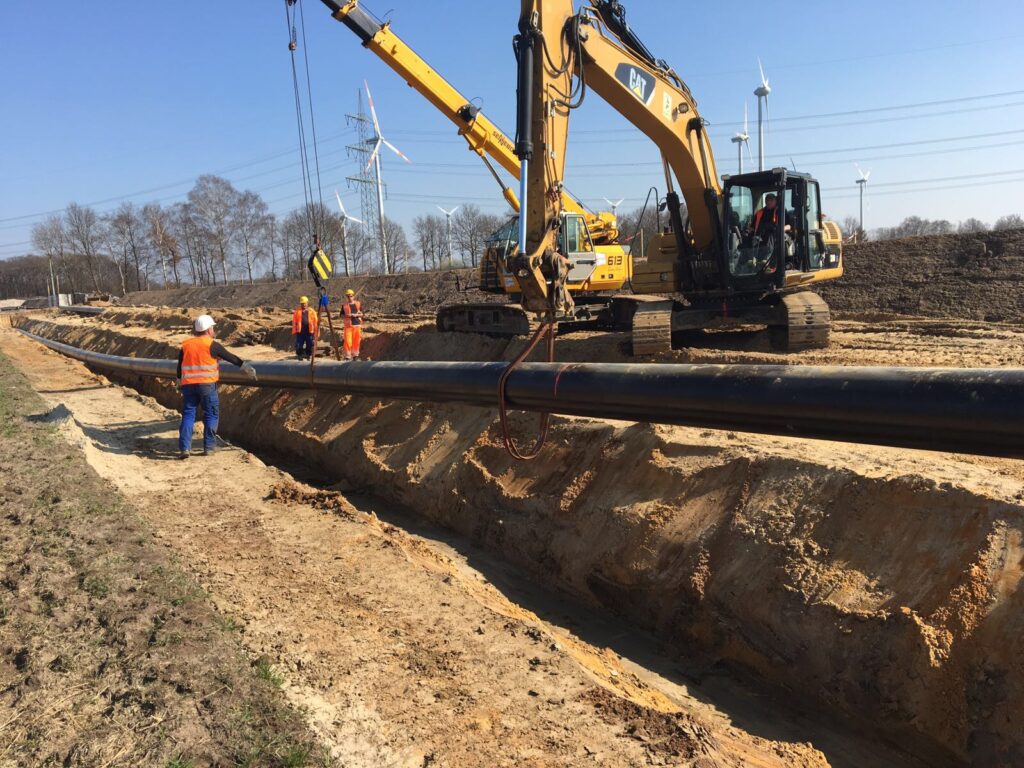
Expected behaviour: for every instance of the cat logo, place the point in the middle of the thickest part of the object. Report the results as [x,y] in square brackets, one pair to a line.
[639,82]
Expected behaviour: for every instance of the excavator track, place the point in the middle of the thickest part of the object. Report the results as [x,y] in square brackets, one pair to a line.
[651,324]
[488,318]
[806,322]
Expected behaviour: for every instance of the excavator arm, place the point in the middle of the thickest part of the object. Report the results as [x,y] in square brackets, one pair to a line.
[569,55]
[484,138]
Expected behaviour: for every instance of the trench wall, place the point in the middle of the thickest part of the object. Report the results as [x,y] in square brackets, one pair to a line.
[895,600]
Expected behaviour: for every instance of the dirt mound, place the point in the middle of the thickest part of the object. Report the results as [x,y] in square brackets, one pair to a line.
[977,276]
[416,293]
[881,583]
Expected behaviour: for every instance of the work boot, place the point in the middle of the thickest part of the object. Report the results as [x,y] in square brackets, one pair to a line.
[208,451]
[183,454]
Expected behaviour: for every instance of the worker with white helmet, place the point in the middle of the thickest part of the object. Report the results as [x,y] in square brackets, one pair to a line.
[198,374]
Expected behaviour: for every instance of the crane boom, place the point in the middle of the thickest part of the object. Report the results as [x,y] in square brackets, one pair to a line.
[484,138]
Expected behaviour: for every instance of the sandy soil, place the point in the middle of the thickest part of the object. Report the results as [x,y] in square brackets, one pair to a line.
[402,651]
[888,578]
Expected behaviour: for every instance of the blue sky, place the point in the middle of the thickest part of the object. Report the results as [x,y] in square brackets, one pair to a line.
[107,100]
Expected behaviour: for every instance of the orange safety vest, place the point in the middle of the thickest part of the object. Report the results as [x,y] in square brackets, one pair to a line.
[347,310]
[198,366]
[760,214]
[314,321]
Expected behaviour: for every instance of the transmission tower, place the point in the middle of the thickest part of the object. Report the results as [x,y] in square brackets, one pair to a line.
[367,182]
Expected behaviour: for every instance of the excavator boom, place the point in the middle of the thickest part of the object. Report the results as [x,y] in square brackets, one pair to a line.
[484,138]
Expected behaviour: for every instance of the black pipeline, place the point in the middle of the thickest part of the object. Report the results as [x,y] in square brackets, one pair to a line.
[965,410]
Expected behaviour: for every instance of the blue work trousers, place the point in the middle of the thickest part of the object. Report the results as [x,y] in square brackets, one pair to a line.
[303,344]
[199,396]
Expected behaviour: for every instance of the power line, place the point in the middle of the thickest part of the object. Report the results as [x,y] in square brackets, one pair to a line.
[171,185]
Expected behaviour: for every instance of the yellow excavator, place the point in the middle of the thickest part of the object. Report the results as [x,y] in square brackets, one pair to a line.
[597,263]
[729,254]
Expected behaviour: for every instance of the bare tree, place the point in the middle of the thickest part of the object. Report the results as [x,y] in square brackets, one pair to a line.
[397,245]
[969,226]
[248,226]
[162,242]
[1013,221]
[470,228]
[429,231]
[125,238]
[84,229]
[49,237]
[212,201]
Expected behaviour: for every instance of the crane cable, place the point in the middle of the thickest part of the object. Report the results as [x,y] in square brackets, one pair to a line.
[314,213]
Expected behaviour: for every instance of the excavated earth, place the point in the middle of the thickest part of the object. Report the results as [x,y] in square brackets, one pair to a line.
[878,587]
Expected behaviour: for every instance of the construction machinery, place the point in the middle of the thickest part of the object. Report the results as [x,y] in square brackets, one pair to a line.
[590,239]
[707,267]
[715,261]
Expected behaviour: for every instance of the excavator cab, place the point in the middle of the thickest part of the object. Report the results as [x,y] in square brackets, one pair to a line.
[789,247]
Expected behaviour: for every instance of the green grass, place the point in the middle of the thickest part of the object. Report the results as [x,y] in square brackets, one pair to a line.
[265,671]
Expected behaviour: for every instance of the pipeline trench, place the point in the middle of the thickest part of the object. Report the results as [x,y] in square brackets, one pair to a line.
[829,604]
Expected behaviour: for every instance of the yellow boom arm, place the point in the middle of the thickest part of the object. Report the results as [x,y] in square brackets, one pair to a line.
[484,138]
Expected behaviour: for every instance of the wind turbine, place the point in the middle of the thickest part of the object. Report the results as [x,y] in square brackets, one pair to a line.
[741,139]
[761,92]
[615,204]
[862,182]
[375,160]
[448,217]
[345,219]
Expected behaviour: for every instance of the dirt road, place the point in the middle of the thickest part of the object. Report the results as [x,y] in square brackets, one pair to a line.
[404,653]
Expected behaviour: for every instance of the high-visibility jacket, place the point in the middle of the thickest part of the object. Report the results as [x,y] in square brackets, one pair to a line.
[314,321]
[760,214]
[348,313]
[198,366]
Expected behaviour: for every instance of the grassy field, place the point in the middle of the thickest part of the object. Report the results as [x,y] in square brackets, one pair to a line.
[110,654]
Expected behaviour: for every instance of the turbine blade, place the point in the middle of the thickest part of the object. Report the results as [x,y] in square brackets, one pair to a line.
[745,132]
[764,80]
[373,155]
[395,149]
[373,110]
[341,205]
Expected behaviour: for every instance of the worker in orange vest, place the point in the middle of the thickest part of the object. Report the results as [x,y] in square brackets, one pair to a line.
[305,325]
[198,374]
[352,316]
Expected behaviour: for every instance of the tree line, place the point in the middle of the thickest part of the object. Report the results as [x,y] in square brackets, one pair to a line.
[220,234]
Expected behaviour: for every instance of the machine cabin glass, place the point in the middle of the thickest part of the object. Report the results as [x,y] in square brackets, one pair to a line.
[574,241]
[761,237]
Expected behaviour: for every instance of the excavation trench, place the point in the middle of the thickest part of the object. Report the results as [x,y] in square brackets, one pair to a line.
[882,584]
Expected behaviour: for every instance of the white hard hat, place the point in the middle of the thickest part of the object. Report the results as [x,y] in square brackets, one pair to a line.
[203,323]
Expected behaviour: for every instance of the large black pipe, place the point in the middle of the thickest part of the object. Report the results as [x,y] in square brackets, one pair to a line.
[964,410]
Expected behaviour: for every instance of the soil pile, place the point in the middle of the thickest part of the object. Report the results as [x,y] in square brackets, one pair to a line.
[881,583]
[403,295]
[973,277]
[978,276]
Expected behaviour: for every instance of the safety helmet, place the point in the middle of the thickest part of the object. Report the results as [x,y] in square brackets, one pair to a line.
[203,323]
[303,299]
[350,292]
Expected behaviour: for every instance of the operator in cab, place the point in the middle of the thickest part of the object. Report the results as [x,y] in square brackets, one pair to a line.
[767,218]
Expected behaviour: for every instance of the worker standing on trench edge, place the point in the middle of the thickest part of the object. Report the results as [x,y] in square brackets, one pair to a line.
[305,324]
[198,374]
[352,316]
